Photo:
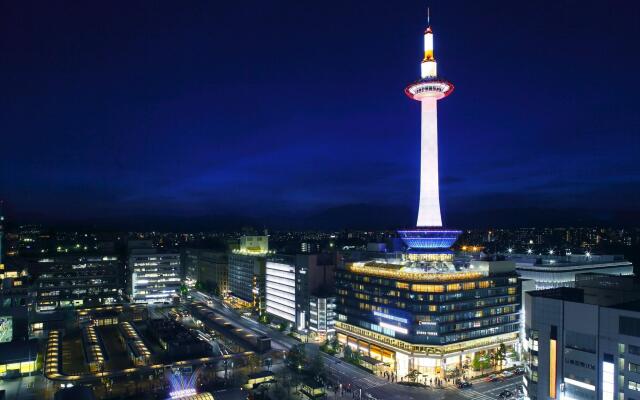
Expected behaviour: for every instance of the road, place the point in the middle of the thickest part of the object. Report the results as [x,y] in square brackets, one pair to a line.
[279,341]
[348,374]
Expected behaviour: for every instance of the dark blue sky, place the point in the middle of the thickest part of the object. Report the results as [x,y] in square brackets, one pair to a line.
[293,112]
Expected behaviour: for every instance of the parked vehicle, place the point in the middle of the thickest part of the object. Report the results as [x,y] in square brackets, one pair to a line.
[505,394]
[507,374]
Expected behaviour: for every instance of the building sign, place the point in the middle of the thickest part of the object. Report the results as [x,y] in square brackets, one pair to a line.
[6,329]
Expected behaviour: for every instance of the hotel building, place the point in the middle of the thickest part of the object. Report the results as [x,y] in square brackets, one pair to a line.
[430,318]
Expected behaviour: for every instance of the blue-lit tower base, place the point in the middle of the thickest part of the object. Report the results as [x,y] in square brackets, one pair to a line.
[425,241]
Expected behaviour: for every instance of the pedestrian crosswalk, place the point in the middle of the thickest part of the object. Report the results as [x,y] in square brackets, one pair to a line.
[471,394]
[368,383]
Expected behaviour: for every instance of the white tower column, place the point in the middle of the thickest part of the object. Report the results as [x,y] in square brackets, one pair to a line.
[429,208]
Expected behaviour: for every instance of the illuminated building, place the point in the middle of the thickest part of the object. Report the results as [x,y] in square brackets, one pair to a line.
[549,271]
[584,342]
[70,281]
[322,315]
[420,310]
[290,282]
[429,317]
[246,276]
[209,268]
[155,277]
[19,358]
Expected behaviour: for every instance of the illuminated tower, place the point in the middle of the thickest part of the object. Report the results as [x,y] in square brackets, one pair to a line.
[428,90]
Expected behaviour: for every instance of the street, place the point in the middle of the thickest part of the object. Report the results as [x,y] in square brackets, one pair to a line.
[348,374]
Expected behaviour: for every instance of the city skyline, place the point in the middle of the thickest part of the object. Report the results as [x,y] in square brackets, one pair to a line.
[152,114]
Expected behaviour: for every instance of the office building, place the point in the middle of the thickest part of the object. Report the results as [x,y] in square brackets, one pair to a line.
[75,280]
[550,271]
[246,273]
[584,342]
[290,281]
[19,358]
[322,316]
[207,268]
[155,277]
[213,269]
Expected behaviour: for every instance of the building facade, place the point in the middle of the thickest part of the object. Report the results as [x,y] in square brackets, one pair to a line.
[290,282]
[74,281]
[560,271]
[584,342]
[155,277]
[322,316]
[208,268]
[246,273]
[415,317]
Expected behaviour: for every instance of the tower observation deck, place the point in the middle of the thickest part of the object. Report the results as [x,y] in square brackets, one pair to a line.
[429,235]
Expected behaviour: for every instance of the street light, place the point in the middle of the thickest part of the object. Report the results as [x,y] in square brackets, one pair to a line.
[529,251]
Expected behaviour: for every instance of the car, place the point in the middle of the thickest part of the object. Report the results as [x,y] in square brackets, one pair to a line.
[493,378]
[463,384]
[507,374]
[505,394]
[369,396]
[518,371]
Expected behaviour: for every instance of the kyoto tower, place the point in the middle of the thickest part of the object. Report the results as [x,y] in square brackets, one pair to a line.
[428,90]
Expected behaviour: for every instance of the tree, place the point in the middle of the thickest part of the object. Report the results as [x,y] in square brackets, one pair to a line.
[413,375]
[501,354]
[264,319]
[480,362]
[317,367]
[253,362]
[335,343]
[352,356]
[184,290]
[296,357]
[347,352]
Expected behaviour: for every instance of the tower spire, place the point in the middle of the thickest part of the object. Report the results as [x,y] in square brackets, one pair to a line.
[428,16]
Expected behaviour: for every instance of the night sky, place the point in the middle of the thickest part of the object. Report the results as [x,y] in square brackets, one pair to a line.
[292,113]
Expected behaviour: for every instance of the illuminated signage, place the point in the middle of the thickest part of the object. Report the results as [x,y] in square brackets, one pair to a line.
[6,329]
[552,368]
[391,317]
[394,328]
[580,384]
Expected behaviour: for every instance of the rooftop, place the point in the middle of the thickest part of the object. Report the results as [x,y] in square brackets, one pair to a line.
[18,350]
[415,271]
[598,289]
